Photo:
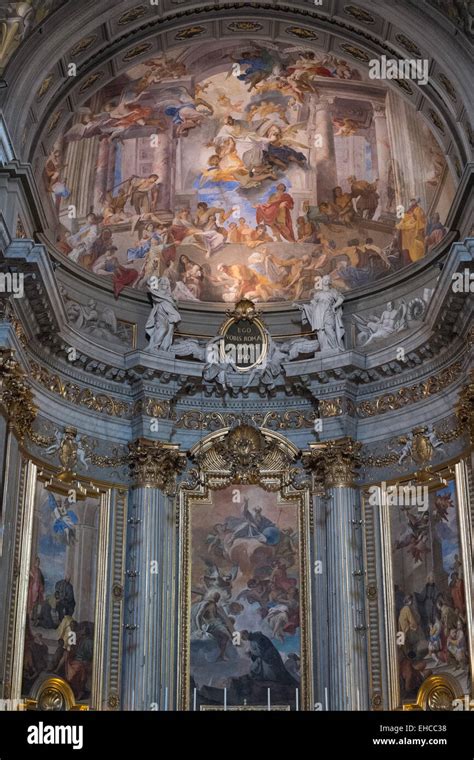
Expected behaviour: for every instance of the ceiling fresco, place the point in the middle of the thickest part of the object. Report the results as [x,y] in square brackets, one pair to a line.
[246,171]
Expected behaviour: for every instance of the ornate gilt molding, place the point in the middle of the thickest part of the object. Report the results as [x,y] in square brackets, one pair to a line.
[155,464]
[16,397]
[333,463]
[438,692]
[465,408]
[292,419]
[410,395]
[193,420]
[98,402]
[245,455]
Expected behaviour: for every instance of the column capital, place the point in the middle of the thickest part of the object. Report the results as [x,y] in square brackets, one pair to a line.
[324,103]
[16,396]
[155,464]
[334,463]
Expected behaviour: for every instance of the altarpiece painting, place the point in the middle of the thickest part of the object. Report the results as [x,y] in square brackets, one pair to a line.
[244,569]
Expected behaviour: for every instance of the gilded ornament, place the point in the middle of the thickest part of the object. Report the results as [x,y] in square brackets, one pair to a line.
[244,26]
[333,463]
[465,408]
[155,464]
[91,80]
[136,51]
[359,14]
[45,85]
[82,45]
[132,15]
[53,123]
[16,397]
[189,33]
[408,44]
[301,32]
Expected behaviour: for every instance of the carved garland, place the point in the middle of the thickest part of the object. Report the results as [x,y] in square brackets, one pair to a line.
[16,397]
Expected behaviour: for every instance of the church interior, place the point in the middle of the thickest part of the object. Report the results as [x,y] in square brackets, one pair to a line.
[236,395]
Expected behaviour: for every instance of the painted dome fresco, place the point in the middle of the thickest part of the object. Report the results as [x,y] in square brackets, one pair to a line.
[245,170]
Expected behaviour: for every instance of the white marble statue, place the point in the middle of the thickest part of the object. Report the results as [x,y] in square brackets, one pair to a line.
[267,372]
[324,314]
[164,315]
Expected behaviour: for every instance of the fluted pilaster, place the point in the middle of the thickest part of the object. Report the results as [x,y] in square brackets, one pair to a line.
[333,464]
[150,617]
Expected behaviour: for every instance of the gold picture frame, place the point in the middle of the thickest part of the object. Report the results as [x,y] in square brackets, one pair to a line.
[380,610]
[243,456]
[107,659]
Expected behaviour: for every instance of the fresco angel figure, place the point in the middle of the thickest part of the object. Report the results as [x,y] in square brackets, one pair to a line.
[255,66]
[64,521]
[185,110]
[215,580]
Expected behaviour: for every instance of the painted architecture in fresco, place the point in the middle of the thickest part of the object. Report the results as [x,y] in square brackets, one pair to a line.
[247,171]
[61,593]
[245,598]
[429,592]
[18,20]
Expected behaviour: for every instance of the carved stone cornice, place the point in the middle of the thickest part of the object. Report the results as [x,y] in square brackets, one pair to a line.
[333,463]
[465,408]
[16,397]
[155,464]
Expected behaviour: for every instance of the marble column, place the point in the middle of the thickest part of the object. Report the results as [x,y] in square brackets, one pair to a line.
[326,172]
[163,166]
[18,413]
[102,174]
[149,678]
[333,464]
[383,156]
[80,157]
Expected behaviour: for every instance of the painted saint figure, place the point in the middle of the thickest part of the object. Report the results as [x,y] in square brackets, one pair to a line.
[276,214]
[412,231]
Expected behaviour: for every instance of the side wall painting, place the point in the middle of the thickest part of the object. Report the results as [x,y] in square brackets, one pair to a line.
[61,597]
[246,602]
[429,592]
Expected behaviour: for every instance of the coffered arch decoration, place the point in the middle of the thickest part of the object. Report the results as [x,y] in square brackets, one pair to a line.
[245,526]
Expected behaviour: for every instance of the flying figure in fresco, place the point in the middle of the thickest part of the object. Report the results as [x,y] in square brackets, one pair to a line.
[186,111]
[65,520]
[255,66]
[214,580]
